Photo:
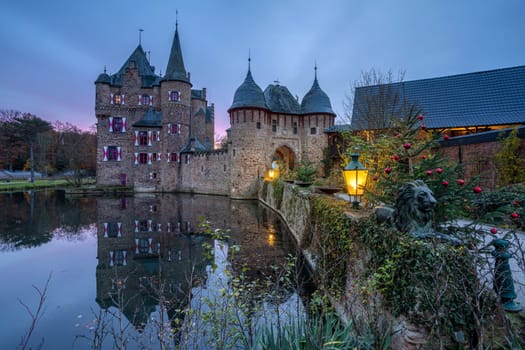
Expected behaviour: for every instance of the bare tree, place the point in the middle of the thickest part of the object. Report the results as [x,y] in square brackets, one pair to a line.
[377,104]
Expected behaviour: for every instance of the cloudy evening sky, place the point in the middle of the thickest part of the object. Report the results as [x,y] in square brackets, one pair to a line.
[52,51]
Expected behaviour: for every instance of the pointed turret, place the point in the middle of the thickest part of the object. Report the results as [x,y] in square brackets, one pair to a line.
[249,94]
[316,100]
[175,69]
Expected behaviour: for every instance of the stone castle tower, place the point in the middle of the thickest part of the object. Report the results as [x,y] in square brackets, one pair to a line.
[145,122]
[273,125]
[155,133]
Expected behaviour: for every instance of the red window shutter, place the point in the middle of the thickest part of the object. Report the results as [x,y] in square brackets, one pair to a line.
[151,100]
[179,128]
[136,137]
[123,124]
[105,229]
[140,100]
[105,156]
[158,136]
[111,99]
[150,137]
[136,158]
[110,124]
[169,128]
[150,156]
[119,153]
[168,157]
[159,155]
[122,99]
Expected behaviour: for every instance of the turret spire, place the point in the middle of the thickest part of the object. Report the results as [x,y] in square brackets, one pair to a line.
[140,36]
[175,69]
[249,60]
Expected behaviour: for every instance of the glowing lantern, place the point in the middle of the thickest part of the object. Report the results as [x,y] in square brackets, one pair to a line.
[355,175]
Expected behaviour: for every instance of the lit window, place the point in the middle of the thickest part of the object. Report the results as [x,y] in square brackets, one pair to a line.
[174,96]
[313,131]
[117,99]
[112,153]
[143,138]
[143,158]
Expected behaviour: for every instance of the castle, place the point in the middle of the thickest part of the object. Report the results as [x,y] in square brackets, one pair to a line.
[156,133]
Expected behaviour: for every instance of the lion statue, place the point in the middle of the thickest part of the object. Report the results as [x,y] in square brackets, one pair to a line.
[414,209]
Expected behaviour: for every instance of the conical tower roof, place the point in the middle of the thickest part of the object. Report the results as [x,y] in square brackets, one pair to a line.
[175,69]
[316,100]
[249,94]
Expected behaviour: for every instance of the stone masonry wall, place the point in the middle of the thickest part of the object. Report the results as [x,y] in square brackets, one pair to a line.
[206,172]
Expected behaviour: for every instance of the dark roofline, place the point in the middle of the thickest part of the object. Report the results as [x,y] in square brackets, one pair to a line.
[442,77]
[482,137]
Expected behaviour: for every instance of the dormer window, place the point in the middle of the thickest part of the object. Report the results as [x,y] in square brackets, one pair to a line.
[174,96]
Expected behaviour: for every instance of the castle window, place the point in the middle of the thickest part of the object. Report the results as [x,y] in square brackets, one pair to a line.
[113,229]
[143,138]
[117,99]
[143,225]
[258,125]
[174,96]
[295,128]
[313,131]
[143,246]
[145,100]
[119,257]
[143,158]
[117,124]
[174,157]
[175,128]
[274,125]
[113,153]
[154,156]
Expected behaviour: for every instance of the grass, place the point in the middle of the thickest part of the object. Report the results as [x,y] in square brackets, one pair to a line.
[22,185]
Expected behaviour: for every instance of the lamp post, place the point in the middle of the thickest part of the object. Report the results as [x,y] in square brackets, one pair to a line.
[355,175]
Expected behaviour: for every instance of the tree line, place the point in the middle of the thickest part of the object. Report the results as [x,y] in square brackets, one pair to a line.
[30,143]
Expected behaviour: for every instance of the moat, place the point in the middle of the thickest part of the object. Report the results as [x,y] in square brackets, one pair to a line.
[124,270]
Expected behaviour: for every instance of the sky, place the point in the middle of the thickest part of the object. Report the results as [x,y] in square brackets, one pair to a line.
[52,51]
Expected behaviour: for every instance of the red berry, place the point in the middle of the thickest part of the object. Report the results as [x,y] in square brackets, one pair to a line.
[444,183]
[407,145]
[446,137]
[493,230]
[461,182]
[395,158]
[423,157]
[438,170]
[420,117]
[399,136]
[375,178]
[388,170]
[429,172]
[477,189]
[424,127]
[515,215]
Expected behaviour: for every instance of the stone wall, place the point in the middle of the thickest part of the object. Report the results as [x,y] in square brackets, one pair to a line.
[205,172]
[477,155]
[295,209]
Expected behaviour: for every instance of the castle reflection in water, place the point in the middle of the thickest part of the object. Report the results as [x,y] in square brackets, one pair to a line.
[150,247]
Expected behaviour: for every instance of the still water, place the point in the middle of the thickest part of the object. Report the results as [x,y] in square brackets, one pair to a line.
[138,272]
